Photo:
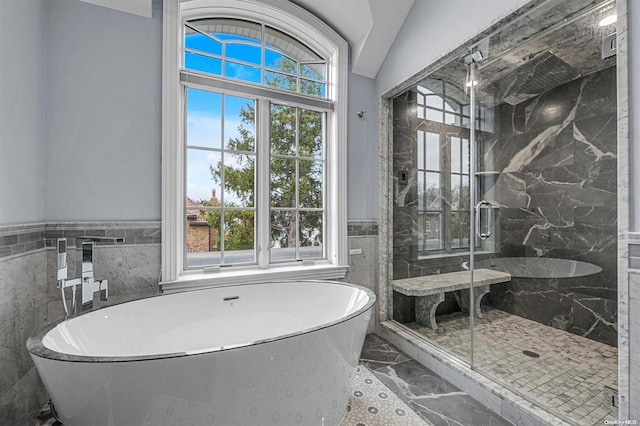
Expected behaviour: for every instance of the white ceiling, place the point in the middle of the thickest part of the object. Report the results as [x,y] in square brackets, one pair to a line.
[369,26]
[137,7]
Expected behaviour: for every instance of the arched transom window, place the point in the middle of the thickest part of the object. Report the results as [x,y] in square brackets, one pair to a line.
[255,53]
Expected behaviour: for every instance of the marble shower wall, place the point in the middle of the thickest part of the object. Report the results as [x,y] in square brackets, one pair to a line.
[30,299]
[557,192]
[556,154]
[406,261]
[553,159]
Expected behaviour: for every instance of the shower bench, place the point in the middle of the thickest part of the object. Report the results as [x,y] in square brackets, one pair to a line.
[429,291]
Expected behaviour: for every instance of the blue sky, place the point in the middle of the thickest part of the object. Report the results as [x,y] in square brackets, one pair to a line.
[204,109]
[205,129]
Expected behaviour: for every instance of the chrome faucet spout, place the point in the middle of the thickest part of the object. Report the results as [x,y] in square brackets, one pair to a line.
[86,280]
[89,284]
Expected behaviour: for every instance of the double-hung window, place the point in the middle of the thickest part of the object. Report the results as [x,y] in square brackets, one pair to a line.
[256,166]
[442,164]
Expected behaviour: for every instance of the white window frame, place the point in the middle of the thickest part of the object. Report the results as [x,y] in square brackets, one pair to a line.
[309,29]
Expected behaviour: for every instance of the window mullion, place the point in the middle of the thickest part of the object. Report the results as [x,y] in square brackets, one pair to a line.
[223,229]
[263,60]
[263,183]
[297,184]
[446,186]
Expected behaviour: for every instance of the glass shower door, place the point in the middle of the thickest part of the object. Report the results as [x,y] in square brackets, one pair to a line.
[544,136]
[431,210]
[504,169]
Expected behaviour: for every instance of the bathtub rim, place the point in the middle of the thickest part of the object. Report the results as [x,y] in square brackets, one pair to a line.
[36,347]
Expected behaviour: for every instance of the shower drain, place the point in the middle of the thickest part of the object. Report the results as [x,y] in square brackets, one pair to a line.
[531,354]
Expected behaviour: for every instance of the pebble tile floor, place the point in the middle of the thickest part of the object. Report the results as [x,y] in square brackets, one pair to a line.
[392,389]
[567,378]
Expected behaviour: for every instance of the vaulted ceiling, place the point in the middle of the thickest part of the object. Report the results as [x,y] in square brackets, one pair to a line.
[369,26]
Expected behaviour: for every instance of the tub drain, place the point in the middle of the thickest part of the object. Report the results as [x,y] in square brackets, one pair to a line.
[531,354]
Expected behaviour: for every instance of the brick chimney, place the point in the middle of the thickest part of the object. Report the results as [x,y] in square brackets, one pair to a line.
[214,199]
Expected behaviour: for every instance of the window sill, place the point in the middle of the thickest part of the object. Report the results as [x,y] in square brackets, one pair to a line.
[194,281]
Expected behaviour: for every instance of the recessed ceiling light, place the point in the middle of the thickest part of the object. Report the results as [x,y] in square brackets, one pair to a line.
[608,20]
[469,83]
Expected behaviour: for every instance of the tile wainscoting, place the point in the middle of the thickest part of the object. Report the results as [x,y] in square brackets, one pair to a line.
[23,309]
[363,259]
[132,267]
[30,298]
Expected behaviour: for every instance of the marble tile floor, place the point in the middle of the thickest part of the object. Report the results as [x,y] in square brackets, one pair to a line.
[567,377]
[433,398]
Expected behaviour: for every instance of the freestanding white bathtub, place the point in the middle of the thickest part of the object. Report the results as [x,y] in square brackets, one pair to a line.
[256,354]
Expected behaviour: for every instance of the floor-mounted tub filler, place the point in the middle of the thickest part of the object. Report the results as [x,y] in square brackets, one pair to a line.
[273,353]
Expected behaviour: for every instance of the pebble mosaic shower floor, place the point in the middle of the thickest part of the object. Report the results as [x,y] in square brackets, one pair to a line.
[568,376]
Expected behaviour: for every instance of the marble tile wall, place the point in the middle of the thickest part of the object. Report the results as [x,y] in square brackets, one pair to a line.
[23,309]
[556,154]
[132,266]
[30,299]
[557,189]
[554,158]
[406,261]
[363,247]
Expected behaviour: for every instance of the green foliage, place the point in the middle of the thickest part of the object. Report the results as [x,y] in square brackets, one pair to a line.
[239,228]
[287,191]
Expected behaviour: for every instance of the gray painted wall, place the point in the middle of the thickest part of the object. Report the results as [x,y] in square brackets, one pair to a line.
[362,150]
[103,114]
[103,104]
[21,111]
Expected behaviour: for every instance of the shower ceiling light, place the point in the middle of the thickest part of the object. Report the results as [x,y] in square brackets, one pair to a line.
[552,111]
[611,19]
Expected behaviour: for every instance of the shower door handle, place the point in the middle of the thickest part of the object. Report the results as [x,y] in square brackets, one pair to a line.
[482,235]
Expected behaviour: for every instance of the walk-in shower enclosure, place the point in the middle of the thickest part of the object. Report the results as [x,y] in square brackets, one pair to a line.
[505,159]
